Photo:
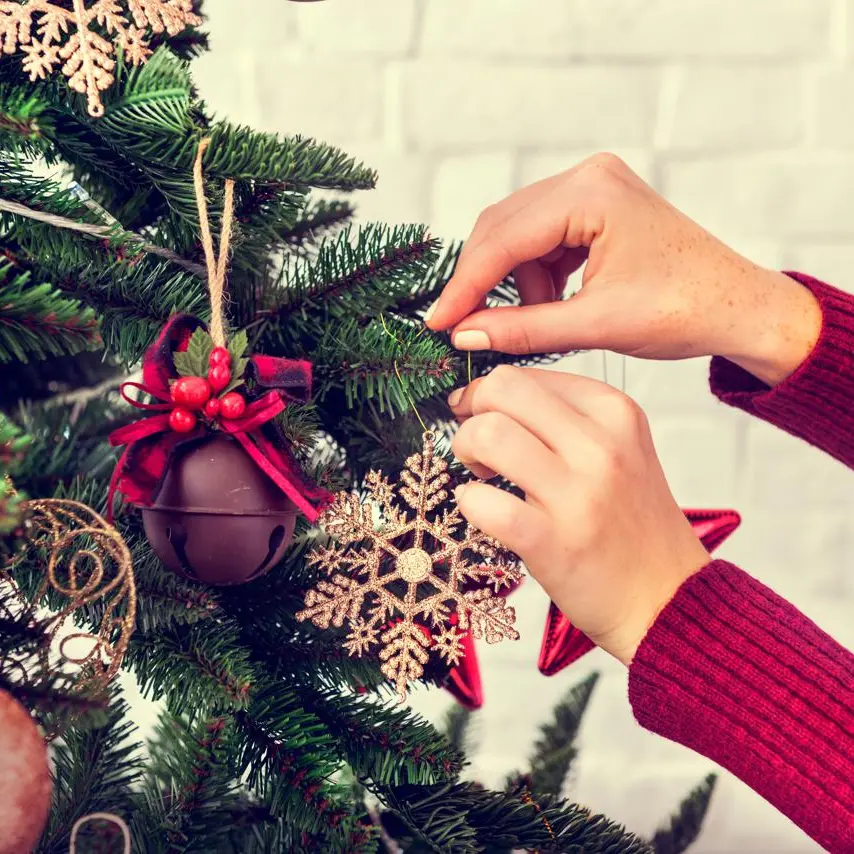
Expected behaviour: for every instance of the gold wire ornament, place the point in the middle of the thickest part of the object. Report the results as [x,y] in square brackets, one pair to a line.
[48,34]
[88,562]
[422,567]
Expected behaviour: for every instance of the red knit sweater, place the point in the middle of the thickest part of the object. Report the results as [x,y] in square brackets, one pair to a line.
[738,674]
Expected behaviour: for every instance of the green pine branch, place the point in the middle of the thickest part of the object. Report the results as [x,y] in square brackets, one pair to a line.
[683,829]
[430,286]
[153,118]
[134,291]
[164,598]
[289,757]
[389,361]
[555,750]
[13,444]
[193,667]
[53,469]
[371,440]
[358,274]
[28,674]
[300,162]
[318,220]
[37,321]
[385,744]
[192,795]
[25,121]
[94,770]
[466,819]
[457,728]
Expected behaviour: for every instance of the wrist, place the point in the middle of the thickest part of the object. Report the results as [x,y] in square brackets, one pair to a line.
[658,597]
[778,331]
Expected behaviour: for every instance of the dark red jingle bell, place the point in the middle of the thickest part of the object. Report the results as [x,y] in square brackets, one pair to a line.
[218,518]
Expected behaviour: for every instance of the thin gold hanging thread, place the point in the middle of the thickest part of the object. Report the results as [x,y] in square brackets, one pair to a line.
[405,586]
[50,35]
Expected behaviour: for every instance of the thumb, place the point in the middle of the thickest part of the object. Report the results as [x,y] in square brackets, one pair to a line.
[578,323]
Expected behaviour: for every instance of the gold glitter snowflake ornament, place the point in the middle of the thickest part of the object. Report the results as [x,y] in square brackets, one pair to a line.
[415,580]
[48,34]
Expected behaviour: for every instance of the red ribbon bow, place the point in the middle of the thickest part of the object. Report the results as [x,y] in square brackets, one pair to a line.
[151,443]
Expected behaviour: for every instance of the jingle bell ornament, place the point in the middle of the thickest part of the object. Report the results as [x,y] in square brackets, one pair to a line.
[213,474]
[25,782]
[218,518]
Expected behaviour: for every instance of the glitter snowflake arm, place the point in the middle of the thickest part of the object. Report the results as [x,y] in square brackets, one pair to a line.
[171,16]
[404,654]
[424,479]
[415,574]
[67,36]
[332,602]
[489,617]
[347,520]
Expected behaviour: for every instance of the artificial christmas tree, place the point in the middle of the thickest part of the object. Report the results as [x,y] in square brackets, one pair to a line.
[271,738]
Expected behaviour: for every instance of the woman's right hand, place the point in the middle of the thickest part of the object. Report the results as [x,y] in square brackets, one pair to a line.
[655,284]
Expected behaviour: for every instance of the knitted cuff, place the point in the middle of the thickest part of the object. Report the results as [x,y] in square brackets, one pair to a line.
[739,675]
[816,403]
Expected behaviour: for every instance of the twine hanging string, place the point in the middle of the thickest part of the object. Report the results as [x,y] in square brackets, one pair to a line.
[100,816]
[216,266]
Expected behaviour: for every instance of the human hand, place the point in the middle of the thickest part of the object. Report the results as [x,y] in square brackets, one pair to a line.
[656,285]
[599,527]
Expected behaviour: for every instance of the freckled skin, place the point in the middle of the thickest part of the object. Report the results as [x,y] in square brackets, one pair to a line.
[25,782]
[655,284]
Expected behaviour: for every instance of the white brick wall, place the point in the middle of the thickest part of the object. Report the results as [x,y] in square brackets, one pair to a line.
[741,111]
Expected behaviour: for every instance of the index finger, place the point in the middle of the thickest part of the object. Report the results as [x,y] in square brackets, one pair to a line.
[522,229]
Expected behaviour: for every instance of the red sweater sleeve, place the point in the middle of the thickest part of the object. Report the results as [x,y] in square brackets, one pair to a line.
[739,675]
[816,402]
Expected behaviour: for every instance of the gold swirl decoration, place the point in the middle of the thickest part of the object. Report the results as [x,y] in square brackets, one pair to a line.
[88,562]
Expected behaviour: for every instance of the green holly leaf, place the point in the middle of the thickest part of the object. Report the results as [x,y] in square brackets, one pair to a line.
[193,362]
[237,347]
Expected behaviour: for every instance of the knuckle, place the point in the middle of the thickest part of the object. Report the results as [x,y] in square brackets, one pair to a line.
[488,430]
[518,341]
[486,217]
[608,162]
[494,387]
[605,461]
[622,414]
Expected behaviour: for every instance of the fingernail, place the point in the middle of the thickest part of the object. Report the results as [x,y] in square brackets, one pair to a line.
[472,339]
[455,397]
[458,492]
[430,312]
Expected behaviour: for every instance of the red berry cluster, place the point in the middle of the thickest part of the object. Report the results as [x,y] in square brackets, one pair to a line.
[194,394]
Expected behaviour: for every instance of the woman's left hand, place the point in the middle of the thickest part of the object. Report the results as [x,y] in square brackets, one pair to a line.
[599,527]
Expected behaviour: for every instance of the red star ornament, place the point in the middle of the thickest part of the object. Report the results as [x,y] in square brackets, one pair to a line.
[563,643]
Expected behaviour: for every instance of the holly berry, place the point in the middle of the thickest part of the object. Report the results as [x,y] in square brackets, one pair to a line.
[232,405]
[219,376]
[182,420]
[212,407]
[220,356]
[192,392]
